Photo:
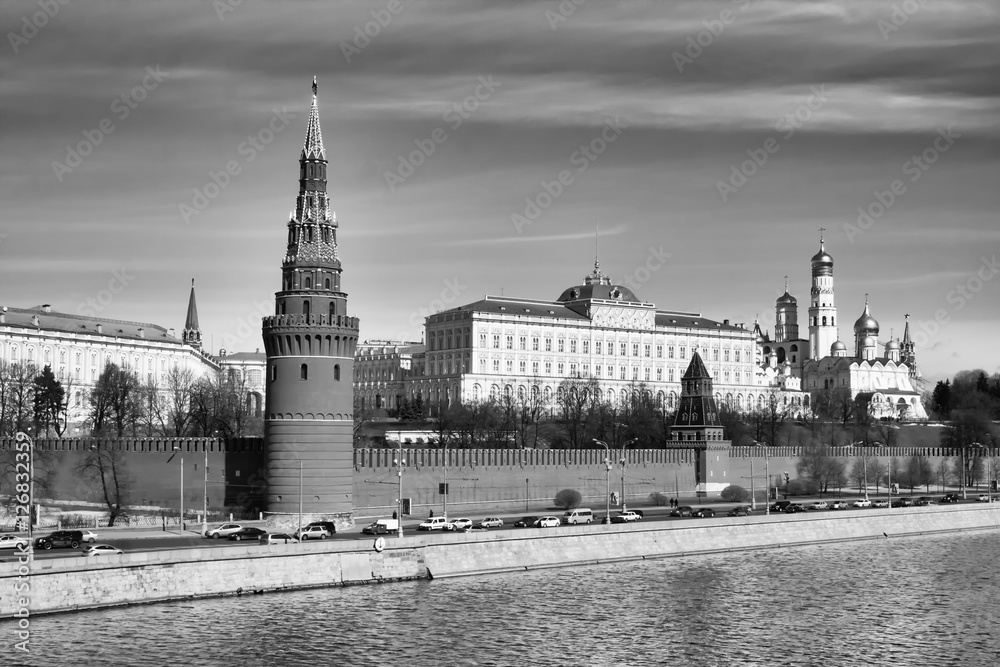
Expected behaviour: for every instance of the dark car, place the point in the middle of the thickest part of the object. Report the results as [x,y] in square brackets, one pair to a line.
[60,538]
[948,498]
[922,501]
[780,505]
[794,508]
[328,525]
[703,512]
[902,502]
[248,533]
[683,510]
[742,510]
[526,522]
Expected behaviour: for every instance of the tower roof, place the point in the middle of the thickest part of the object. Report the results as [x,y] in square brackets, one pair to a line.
[906,332]
[191,321]
[696,369]
[866,324]
[313,146]
[598,286]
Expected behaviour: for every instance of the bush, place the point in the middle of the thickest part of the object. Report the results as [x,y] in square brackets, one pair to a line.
[735,494]
[568,499]
[659,499]
[802,487]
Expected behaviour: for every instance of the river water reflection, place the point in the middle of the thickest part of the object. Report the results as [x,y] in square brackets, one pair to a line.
[920,601]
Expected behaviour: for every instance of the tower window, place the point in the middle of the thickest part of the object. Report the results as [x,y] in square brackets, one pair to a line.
[336,372]
[304,372]
[824,320]
[306,308]
[274,373]
[327,283]
[309,282]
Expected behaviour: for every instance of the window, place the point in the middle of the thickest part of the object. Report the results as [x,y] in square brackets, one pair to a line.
[646,374]
[646,350]
[523,342]
[635,349]
[586,347]
[559,368]
[586,370]
[670,375]
[572,369]
[683,352]
[597,370]
[659,375]
[622,348]
[736,356]
[727,377]
[611,371]
[548,368]
[482,365]
[659,351]
[635,373]
[510,366]
[597,347]
[548,344]
[496,365]
[572,346]
[510,342]
[534,368]
[725,354]
[715,354]
[622,374]
[482,340]
[304,372]
[496,341]
[670,352]
[534,343]
[561,345]
[522,367]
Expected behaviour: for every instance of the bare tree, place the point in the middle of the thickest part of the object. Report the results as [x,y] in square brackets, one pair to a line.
[107,468]
[116,401]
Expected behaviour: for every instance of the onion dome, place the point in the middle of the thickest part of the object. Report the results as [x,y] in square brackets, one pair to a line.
[822,263]
[786,299]
[837,347]
[892,345]
[869,341]
[866,324]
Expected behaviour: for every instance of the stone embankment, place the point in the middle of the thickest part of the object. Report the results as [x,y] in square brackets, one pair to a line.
[67,584]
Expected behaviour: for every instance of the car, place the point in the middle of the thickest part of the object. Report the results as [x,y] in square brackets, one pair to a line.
[102,550]
[780,505]
[983,498]
[548,522]
[477,528]
[435,523]
[949,498]
[461,524]
[923,501]
[88,536]
[248,533]
[491,522]
[381,527]
[329,526]
[312,533]
[880,503]
[639,512]
[526,522]
[224,530]
[60,538]
[902,502]
[12,541]
[703,512]
[818,505]
[794,508]
[740,510]
[277,538]
[862,502]
[838,504]
[625,517]
[683,510]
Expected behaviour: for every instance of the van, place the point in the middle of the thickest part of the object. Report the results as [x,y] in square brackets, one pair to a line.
[381,527]
[579,515]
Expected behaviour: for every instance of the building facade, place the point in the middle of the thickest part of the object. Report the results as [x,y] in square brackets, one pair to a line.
[383,369]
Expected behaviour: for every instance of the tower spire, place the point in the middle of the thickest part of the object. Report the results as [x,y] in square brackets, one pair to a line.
[192,332]
[312,149]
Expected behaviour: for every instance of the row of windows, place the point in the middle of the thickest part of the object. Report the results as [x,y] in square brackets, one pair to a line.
[29,353]
[304,372]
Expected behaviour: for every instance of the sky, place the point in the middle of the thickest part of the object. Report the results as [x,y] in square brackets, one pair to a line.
[477,147]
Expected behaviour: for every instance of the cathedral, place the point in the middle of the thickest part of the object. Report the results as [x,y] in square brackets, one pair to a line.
[883,377]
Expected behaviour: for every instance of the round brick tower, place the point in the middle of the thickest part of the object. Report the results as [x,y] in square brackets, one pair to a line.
[310,342]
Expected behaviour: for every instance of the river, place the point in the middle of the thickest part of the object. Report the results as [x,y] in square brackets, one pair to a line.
[917,601]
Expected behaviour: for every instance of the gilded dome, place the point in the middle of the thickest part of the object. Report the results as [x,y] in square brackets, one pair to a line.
[866,324]
[786,298]
[838,346]
[822,263]
[892,345]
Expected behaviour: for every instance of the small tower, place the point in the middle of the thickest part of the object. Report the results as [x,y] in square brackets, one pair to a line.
[908,351]
[310,343]
[697,414]
[866,335]
[786,317]
[192,332]
[822,311]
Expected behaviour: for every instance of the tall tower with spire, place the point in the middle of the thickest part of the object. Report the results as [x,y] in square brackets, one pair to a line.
[786,317]
[192,332]
[310,342]
[822,310]
[908,350]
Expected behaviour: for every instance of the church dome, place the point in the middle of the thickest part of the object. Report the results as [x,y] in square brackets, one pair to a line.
[869,341]
[866,324]
[837,347]
[892,345]
[598,286]
[786,299]
[822,263]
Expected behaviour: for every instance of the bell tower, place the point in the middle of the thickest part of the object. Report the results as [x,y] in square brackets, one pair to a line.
[310,342]
[822,310]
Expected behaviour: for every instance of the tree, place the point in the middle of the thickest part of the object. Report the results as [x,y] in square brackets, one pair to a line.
[49,404]
[734,494]
[116,401]
[568,499]
[17,393]
[364,414]
[866,469]
[576,400]
[819,465]
[941,398]
[106,467]
[177,400]
[967,429]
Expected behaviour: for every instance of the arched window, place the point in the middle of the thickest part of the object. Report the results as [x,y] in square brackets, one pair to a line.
[304,372]
[274,373]
[824,320]
[327,283]
[306,308]
[309,282]
[336,372]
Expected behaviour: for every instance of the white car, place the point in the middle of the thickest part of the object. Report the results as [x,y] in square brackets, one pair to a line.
[491,522]
[435,523]
[548,522]
[862,502]
[102,550]
[627,516]
[12,541]
[983,498]
[225,530]
[461,524]
[818,505]
[313,533]
[277,538]
[89,536]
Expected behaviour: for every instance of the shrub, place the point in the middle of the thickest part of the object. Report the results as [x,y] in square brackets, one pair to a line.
[735,494]
[659,499]
[568,499]
[802,487]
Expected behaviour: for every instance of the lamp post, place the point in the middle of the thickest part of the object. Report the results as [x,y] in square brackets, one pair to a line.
[399,463]
[526,494]
[624,445]
[445,479]
[961,479]
[204,509]
[607,495]
[989,486]
[180,530]
[767,478]
[300,501]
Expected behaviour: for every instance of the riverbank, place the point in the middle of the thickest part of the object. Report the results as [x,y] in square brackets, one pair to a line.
[62,585]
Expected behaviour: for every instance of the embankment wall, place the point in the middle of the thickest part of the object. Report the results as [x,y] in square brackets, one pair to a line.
[68,584]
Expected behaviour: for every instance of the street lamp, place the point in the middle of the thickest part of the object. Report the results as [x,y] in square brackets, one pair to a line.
[607,495]
[300,500]
[989,486]
[177,449]
[445,479]
[399,463]
[767,478]
[624,445]
[204,509]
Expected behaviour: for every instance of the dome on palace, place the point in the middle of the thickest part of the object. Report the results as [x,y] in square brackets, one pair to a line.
[892,345]
[598,286]
[866,324]
[838,347]
[786,298]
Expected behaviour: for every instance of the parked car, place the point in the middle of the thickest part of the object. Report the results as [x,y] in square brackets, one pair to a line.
[88,536]
[780,505]
[818,505]
[435,523]
[794,508]
[548,522]
[862,502]
[880,503]
[277,538]
[60,538]
[838,504]
[526,522]
[225,530]
[102,550]
[626,516]
[902,502]
[312,533]
[329,526]
[922,501]
[950,498]
[639,512]
[703,512]
[461,524]
[683,510]
[983,498]
[741,510]
[12,541]
[381,527]
[248,533]
[491,522]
